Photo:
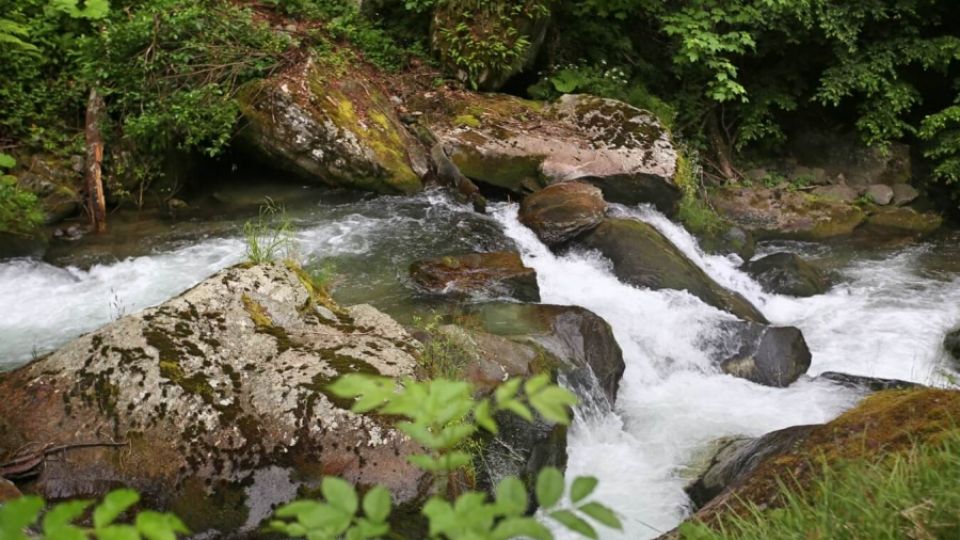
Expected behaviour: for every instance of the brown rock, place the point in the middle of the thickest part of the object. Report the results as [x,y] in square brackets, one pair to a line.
[838,193]
[562,211]
[8,491]
[490,274]
[771,213]
[880,194]
[904,194]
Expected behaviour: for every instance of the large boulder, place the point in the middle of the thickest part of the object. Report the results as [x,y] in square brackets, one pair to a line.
[55,181]
[461,34]
[776,213]
[488,274]
[737,458]
[337,131]
[576,342]
[213,404]
[769,355]
[787,273]
[643,257]
[884,425]
[560,212]
[522,146]
[901,221]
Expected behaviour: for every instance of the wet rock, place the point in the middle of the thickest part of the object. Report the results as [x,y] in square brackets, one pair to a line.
[901,221]
[873,384]
[838,193]
[341,133]
[880,194]
[769,355]
[787,273]
[219,397]
[458,23]
[643,257]
[726,240]
[737,458]
[904,194]
[581,341]
[562,211]
[522,146]
[490,274]
[951,343]
[772,213]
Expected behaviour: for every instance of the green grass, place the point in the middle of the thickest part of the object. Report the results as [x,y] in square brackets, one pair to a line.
[913,494]
[269,237]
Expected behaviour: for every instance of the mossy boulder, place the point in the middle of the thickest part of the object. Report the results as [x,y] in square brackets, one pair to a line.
[522,146]
[478,274]
[777,213]
[56,182]
[885,424]
[580,340]
[787,273]
[486,44]
[338,130]
[217,398]
[560,212]
[644,257]
[902,221]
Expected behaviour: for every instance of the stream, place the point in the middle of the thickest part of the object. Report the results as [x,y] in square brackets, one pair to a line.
[884,317]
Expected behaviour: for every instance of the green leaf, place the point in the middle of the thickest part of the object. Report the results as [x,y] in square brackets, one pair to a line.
[552,403]
[536,384]
[518,409]
[582,487]
[62,515]
[372,392]
[17,514]
[376,504]
[521,527]
[157,526]
[7,161]
[484,417]
[117,532]
[340,494]
[602,514]
[508,390]
[549,487]
[114,504]
[512,496]
[570,520]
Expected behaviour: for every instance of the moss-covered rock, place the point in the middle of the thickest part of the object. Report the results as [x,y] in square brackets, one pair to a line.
[901,221]
[777,213]
[336,130]
[56,181]
[522,146]
[218,398]
[885,423]
[643,257]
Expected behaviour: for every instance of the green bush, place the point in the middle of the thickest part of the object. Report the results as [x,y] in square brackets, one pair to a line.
[19,209]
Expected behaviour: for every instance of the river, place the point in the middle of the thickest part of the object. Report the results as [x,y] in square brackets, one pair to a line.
[885,316]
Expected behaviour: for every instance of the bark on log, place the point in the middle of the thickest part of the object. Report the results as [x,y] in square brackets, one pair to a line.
[96,203]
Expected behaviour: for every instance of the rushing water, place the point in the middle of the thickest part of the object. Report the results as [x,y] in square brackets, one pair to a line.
[885,317]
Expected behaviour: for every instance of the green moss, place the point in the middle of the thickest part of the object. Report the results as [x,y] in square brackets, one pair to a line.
[467,120]
[519,174]
[264,324]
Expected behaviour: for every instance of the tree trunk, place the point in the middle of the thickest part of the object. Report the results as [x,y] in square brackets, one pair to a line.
[721,147]
[96,203]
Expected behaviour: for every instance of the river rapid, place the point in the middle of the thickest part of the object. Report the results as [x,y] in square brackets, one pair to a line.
[885,316]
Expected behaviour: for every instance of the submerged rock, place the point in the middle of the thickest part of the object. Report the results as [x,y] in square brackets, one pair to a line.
[560,212]
[872,384]
[643,257]
[772,213]
[490,274]
[769,355]
[342,133]
[218,400]
[522,146]
[787,273]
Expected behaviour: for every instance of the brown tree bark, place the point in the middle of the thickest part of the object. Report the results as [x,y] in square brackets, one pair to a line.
[721,148]
[96,203]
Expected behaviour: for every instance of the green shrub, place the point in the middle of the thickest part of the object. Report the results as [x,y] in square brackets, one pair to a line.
[20,212]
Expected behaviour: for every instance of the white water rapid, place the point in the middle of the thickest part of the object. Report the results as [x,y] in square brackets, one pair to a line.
[885,318]
[885,321]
